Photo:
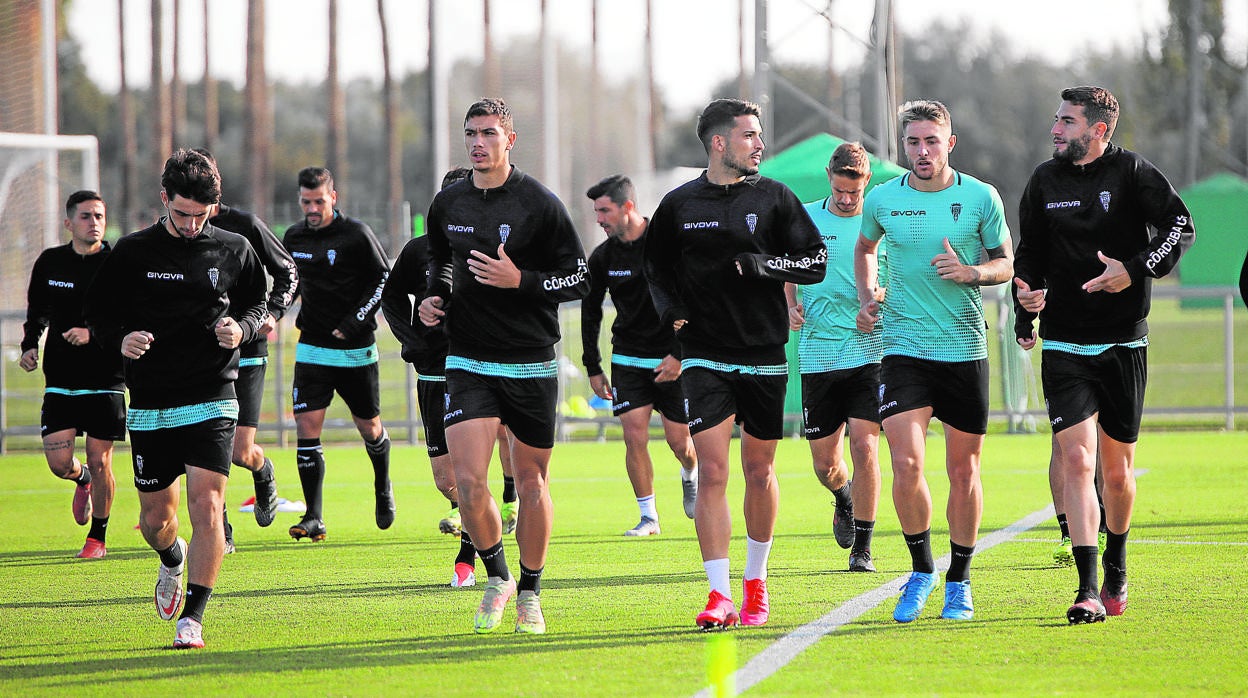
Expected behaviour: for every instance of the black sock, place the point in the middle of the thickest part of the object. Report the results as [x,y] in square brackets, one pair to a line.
[311,461]
[99,528]
[842,496]
[920,547]
[495,562]
[862,535]
[1085,562]
[171,557]
[1062,524]
[1115,559]
[530,580]
[225,523]
[84,477]
[959,562]
[379,454]
[509,488]
[467,553]
[196,598]
[265,473]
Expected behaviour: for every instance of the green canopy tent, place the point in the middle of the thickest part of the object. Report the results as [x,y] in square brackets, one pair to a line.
[1219,207]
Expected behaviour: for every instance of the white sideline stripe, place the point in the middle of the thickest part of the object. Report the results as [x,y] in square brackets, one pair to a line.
[786,649]
[1138,541]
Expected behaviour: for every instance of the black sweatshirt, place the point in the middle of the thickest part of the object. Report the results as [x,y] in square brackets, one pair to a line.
[276,260]
[617,267]
[698,236]
[423,347]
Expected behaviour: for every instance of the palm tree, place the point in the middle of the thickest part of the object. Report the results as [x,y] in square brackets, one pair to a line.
[257,118]
[337,137]
[394,166]
[162,137]
[129,137]
[212,124]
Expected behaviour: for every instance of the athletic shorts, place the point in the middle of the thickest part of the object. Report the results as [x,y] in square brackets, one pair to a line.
[526,405]
[98,415]
[831,398]
[315,384]
[957,391]
[1109,385]
[431,399]
[756,402]
[250,389]
[633,387]
[161,456]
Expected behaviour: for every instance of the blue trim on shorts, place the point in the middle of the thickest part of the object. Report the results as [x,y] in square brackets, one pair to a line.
[541,369]
[431,379]
[1091,349]
[766,370]
[338,358]
[253,361]
[635,362]
[172,417]
[79,393]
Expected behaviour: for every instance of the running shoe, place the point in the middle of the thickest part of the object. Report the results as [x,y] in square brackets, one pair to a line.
[843,524]
[497,593]
[463,576]
[385,507]
[229,548]
[451,524]
[265,506]
[1063,554]
[529,617]
[168,596]
[720,613]
[914,595]
[958,604]
[646,527]
[190,635]
[82,504]
[690,500]
[313,529]
[860,561]
[757,606]
[1086,610]
[92,550]
[229,538]
[1115,601]
[509,511]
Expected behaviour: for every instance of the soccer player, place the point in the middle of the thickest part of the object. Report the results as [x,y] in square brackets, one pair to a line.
[840,366]
[253,356]
[939,223]
[718,251]
[177,299]
[644,369]
[84,391]
[503,255]
[1086,259]
[342,271]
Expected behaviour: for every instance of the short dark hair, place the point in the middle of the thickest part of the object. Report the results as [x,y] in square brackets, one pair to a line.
[192,176]
[719,117]
[1098,105]
[454,175]
[850,160]
[206,154]
[71,204]
[315,178]
[492,106]
[617,187]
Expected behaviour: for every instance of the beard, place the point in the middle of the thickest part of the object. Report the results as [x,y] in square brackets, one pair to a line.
[1075,151]
[744,167]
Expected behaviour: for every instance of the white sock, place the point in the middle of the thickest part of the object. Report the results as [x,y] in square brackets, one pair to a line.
[756,554]
[717,575]
[689,475]
[648,510]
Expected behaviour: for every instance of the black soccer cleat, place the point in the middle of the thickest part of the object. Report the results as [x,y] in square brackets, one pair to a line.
[313,529]
[385,508]
[266,495]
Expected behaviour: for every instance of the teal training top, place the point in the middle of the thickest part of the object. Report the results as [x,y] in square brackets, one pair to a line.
[925,316]
[830,341]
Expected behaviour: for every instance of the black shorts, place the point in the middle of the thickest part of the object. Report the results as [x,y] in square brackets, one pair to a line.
[161,456]
[98,415]
[526,405]
[1109,385]
[957,391]
[431,399]
[315,384]
[756,401]
[633,387]
[250,389]
[832,398]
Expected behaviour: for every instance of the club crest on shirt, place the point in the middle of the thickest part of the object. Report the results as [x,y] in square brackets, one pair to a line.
[214,274]
[956,210]
[751,221]
[333,256]
[1105,201]
[504,231]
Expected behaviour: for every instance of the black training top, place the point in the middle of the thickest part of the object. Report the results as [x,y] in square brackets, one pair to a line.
[615,267]
[276,260]
[1067,215]
[423,347]
[54,301]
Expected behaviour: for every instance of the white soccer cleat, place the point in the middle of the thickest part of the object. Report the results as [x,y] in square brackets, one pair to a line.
[169,591]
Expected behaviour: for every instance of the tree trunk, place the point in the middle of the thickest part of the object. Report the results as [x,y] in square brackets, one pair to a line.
[336,158]
[162,138]
[212,118]
[394,165]
[177,101]
[258,142]
[130,142]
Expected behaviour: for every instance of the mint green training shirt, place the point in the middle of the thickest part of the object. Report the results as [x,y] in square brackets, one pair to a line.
[925,316]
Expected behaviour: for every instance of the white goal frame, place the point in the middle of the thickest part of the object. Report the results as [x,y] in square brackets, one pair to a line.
[37,148]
